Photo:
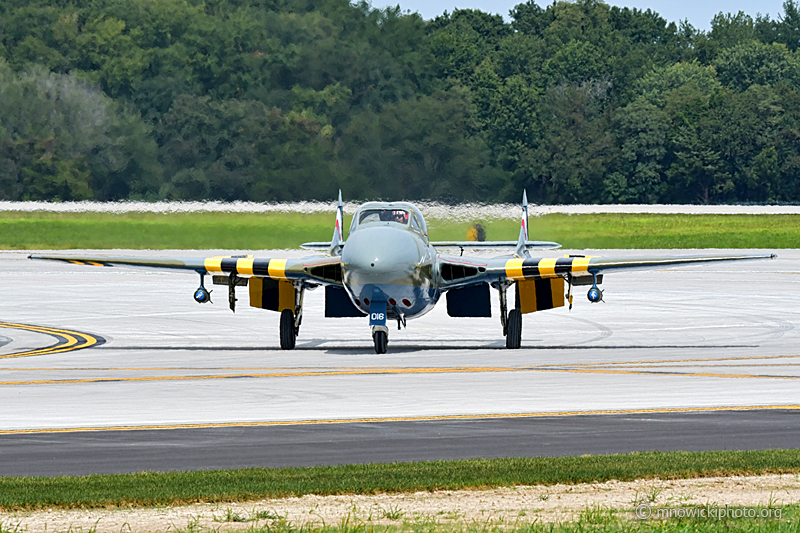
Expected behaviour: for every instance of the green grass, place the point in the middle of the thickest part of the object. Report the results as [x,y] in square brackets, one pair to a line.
[644,230]
[19,231]
[153,489]
[253,231]
[592,520]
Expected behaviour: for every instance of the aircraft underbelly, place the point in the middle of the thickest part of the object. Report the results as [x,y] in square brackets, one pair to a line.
[410,300]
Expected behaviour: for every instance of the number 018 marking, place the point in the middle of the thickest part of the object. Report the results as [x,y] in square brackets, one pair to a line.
[376,316]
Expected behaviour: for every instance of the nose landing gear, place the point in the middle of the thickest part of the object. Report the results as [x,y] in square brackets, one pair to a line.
[380,336]
[378,314]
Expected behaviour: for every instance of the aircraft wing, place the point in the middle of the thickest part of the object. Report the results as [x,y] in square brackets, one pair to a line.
[529,268]
[459,271]
[317,269]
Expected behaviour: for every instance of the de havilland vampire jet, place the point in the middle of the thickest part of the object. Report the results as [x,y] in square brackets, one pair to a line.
[388,270]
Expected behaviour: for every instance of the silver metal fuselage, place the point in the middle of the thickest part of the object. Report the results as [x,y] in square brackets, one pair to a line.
[392,262]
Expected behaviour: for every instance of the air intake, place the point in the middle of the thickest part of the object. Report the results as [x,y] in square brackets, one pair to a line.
[453,272]
[328,272]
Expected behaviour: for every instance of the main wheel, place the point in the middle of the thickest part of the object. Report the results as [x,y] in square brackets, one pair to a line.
[288,333]
[381,341]
[514,337]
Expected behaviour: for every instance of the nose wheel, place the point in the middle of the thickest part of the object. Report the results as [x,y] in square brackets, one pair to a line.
[380,336]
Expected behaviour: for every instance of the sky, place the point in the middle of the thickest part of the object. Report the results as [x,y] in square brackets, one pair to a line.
[699,12]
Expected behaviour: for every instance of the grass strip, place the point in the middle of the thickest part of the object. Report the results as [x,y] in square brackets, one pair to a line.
[591,520]
[255,231]
[154,489]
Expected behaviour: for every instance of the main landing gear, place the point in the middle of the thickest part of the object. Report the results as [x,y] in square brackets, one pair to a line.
[514,334]
[511,321]
[290,321]
[288,330]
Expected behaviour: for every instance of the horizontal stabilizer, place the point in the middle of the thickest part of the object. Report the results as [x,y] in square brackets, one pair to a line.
[316,245]
[542,245]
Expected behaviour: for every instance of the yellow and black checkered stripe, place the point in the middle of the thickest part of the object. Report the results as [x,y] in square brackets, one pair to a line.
[247,266]
[521,269]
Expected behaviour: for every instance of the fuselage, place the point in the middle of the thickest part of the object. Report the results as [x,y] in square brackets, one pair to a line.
[387,257]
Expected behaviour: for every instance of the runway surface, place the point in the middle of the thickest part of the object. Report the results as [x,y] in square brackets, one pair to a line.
[116,369]
[83,453]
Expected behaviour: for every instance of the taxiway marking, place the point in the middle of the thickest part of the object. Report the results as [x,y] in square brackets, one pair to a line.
[379,369]
[67,340]
[389,371]
[401,419]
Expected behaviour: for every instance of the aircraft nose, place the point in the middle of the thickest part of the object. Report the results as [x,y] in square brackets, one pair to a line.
[380,251]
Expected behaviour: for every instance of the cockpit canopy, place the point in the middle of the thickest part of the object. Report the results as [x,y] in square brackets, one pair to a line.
[400,213]
[400,216]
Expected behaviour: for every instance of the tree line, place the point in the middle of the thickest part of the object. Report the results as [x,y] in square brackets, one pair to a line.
[274,100]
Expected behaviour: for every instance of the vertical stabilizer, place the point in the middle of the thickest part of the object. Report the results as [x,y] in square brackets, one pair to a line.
[522,249]
[338,239]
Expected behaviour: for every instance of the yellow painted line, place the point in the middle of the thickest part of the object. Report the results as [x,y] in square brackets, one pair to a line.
[664,373]
[745,365]
[385,368]
[277,268]
[692,360]
[68,340]
[514,269]
[389,371]
[361,372]
[406,419]
[180,368]
[389,368]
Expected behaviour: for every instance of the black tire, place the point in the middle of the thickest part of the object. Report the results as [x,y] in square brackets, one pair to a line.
[514,337]
[288,333]
[381,341]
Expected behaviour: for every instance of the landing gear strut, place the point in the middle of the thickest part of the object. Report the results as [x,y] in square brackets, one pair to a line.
[503,308]
[232,279]
[510,320]
[290,321]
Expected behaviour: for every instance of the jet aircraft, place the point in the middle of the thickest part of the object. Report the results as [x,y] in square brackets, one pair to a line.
[388,270]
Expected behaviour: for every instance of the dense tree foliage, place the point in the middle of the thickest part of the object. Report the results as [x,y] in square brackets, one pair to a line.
[271,100]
